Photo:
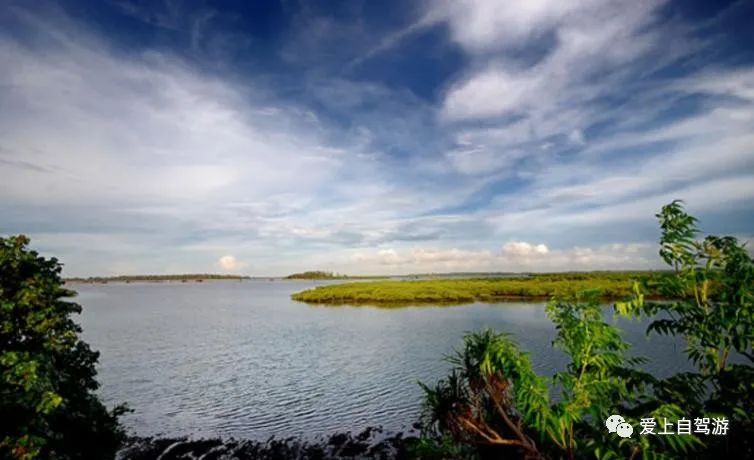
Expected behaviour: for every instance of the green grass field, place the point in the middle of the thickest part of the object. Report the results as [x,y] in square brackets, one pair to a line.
[612,285]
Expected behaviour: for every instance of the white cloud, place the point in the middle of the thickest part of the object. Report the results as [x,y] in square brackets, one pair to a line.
[484,25]
[577,137]
[524,249]
[591,38]
[492,92]
[421,256]
[737,83]
[476,160]
[544,108]
[103,128]
[431,255]
[388,257]
[515,256]
[505,110]
[229,263]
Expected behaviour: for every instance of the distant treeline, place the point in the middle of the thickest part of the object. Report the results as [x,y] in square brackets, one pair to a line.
[316,275]
[135,278]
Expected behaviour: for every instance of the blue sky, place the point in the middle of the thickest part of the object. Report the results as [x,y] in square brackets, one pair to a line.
[371,137]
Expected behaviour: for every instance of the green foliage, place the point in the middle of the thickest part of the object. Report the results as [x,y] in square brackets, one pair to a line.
[322,275]
[434,291]
[717,320]
[493,403]
[47,374]
[719,317]
[315,275]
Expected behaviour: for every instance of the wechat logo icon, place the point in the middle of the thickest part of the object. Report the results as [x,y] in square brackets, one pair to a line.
[617,424]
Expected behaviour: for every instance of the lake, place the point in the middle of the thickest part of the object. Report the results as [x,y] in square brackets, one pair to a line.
[240,359]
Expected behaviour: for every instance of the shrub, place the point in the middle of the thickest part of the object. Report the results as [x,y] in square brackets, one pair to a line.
[716,319]
[493,403]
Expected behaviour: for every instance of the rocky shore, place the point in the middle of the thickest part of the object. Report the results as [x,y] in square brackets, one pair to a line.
[372,443]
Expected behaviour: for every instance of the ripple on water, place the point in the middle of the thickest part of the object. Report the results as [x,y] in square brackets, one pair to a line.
[243,360]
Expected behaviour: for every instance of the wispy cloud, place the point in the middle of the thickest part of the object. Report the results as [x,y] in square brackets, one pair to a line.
[513,257]
[549,146]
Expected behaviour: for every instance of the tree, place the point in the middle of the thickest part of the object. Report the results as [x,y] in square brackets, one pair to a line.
[47,374]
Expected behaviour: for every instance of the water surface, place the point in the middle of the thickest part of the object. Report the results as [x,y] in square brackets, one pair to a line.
[230,358]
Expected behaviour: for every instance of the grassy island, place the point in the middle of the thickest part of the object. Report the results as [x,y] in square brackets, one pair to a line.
[613,285]
[196,277]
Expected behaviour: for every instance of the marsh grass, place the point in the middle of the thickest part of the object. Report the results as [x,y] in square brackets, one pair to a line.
[611,285]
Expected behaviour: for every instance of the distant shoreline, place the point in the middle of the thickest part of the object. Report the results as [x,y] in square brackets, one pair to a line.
[155,278]
[323,275]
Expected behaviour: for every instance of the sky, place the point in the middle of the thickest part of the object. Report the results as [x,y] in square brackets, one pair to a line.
[361,137]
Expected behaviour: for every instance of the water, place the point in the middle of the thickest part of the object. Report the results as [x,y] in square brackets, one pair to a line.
[240,359]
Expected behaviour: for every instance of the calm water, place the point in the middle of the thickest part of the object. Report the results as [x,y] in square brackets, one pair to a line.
[241,359]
